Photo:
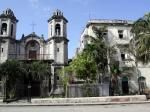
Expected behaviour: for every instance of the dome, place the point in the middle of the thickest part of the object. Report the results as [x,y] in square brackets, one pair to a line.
[58,13]
[8,12]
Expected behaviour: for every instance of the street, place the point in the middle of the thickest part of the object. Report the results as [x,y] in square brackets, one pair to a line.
[88,108]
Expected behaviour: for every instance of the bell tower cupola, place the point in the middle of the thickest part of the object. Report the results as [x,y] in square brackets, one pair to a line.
[57,25]
[8,24]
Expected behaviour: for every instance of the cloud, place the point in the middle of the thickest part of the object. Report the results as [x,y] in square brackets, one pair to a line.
[34,3]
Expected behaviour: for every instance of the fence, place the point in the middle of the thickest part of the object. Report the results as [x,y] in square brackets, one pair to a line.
[1,91]
[92,90]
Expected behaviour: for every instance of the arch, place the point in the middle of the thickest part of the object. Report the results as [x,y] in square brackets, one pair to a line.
[142,84]
[4,29]
[12,30]
[125,85]
[141,78]
[32,49]
[57,29]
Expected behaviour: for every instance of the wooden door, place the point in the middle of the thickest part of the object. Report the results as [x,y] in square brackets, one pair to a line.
[32,54]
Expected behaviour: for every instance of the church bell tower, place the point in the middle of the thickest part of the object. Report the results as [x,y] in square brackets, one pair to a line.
[57,34]
[8,24]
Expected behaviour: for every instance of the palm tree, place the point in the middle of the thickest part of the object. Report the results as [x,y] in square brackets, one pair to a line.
[115,73]
[140,46]
[103,53]
[98,49]
[40,71]
[141,39]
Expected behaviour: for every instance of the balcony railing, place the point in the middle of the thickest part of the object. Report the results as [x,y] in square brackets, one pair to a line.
[127,63]
[30,57]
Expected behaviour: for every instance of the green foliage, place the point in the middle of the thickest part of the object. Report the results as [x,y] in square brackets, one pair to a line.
[63,73]
[39,70]
[11,73]
[93,59]
[115,69]
[98,48]
[115,72]
[84,66]
[141,29]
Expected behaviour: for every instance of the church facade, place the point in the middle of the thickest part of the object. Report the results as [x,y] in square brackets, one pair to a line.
[33,47]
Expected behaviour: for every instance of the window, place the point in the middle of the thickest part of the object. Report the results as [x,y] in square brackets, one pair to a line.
[51,30]
[2,49]
[57,29]
[4,29]
[12,30]
[123,56]
[57,49]
[57,77]
[120,34]
[105,33]
[33,44]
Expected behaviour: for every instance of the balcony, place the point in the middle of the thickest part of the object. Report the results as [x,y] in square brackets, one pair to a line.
[32,56]
[127,63]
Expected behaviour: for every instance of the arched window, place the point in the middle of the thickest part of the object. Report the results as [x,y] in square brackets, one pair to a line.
[51,30]
[12,30]
[4,29]
[57,29]
[142,83]
[125,85]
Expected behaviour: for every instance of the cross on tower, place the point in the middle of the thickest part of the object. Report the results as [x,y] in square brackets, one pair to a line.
[33,25]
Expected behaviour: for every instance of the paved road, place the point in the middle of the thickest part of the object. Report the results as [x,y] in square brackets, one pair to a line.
[92,108]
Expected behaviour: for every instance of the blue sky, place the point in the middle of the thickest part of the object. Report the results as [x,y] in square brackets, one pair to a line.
[78,12]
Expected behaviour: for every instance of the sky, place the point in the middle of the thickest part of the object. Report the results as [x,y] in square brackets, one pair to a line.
[77,12]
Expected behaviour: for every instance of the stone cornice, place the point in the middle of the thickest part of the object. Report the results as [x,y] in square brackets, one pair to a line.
[58,39]
[57,17]
[10,38]
[9,17]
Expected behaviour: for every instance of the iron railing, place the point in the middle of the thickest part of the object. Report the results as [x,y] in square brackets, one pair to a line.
[30,57]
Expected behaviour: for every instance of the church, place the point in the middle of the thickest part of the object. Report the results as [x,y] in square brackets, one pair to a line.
[33,47]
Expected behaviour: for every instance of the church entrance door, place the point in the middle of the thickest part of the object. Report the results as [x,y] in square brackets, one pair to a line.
[32,54]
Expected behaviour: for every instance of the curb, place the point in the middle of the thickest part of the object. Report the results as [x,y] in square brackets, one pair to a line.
[74,104]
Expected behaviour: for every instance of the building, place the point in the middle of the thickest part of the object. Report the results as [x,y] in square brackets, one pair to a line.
[32,46]
[118,35]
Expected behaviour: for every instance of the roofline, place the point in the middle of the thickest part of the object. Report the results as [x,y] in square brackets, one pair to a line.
[109,22]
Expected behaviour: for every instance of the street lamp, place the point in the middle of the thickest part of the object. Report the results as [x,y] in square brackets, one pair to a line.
[4,99]
[29,87]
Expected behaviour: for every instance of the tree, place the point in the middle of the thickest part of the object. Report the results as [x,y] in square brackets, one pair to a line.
[84,67]
[140,46]
[40,71]
[66,77]
[141,39]
[103,53]
[98,49]
[115,71]
[11,74]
